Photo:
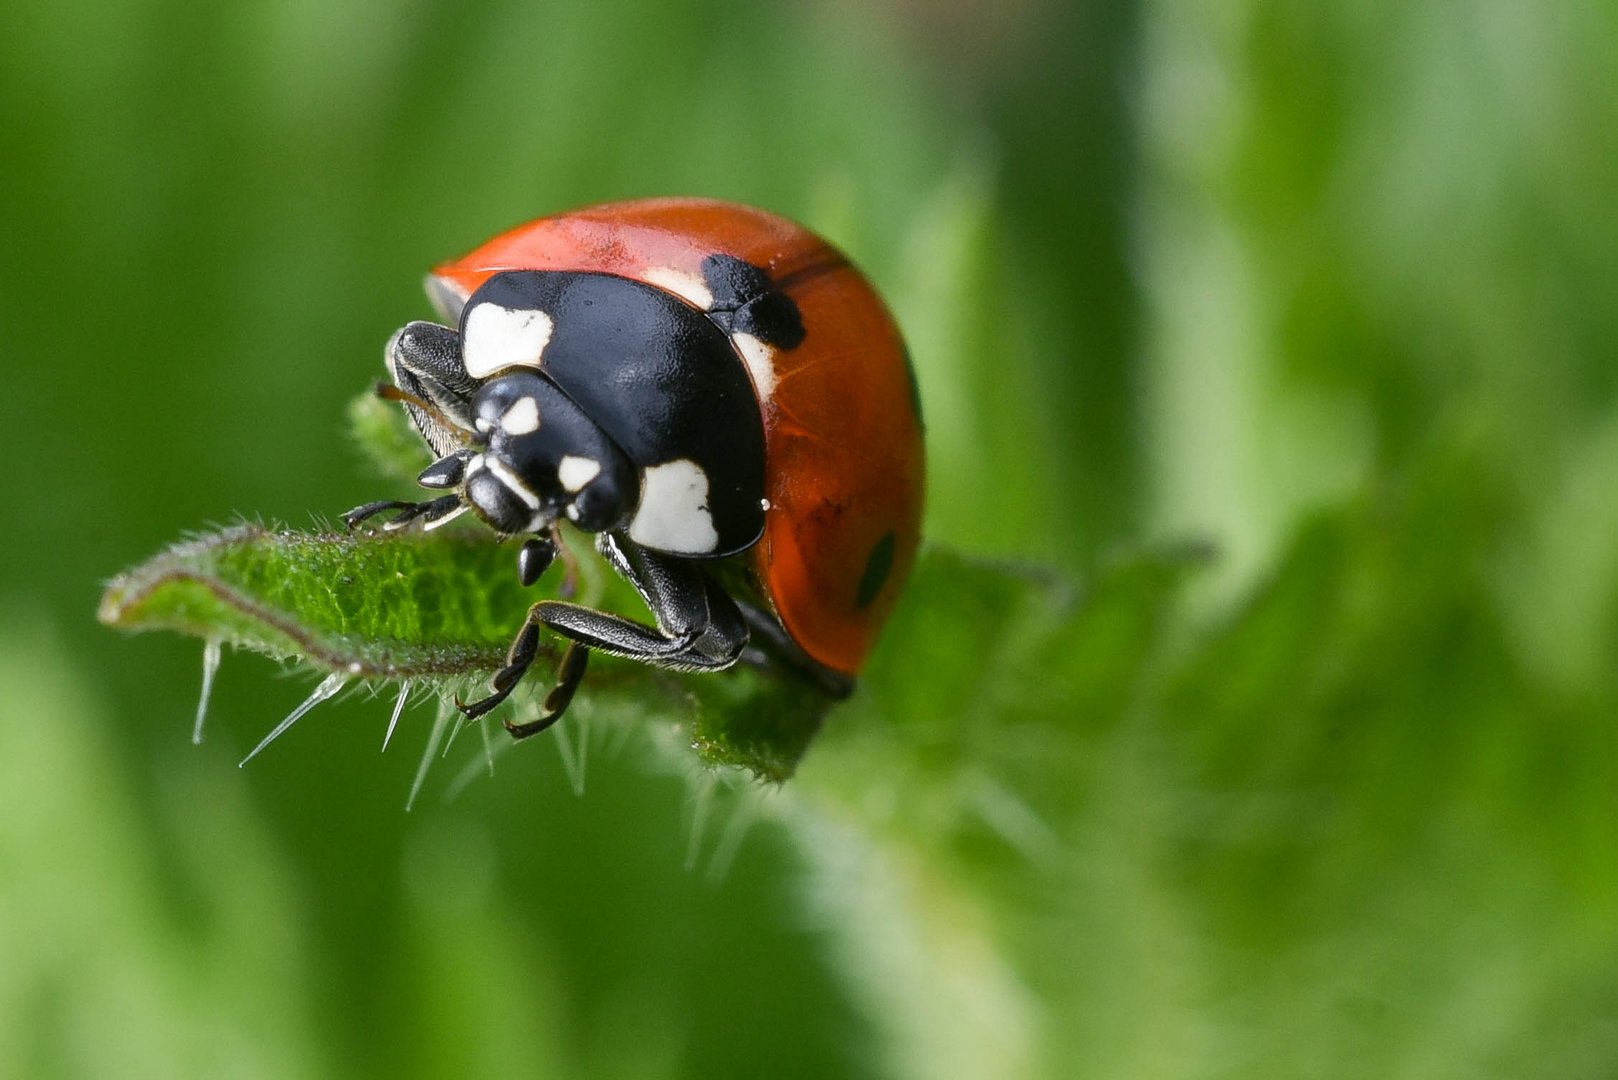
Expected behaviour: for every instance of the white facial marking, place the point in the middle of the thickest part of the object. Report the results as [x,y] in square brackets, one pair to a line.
[575,472]
[673,515]
[682,283]
[764,504]
[760,360]
[512,481]
[499,337]
[521,418]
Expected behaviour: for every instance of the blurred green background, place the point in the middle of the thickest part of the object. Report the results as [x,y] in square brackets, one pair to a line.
[1330,288]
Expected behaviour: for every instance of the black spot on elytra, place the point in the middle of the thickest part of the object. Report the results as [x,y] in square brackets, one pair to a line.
[733,281]
[878,565]
[745,301]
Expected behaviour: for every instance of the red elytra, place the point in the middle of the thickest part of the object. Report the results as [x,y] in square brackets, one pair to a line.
[844,461]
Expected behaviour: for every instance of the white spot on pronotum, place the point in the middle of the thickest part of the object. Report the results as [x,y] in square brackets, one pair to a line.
[575,472]
[398,710]
[521,417]
[760,360]
[329,686]
[210,664]
[673,515]
[499,337]
[512,481]
[682,283]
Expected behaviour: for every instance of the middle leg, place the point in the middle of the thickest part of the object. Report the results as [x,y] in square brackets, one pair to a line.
[699,628]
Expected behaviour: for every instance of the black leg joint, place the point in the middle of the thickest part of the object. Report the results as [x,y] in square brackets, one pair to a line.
[534,558]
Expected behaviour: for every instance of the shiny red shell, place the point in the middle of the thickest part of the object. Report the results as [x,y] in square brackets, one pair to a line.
[843,438]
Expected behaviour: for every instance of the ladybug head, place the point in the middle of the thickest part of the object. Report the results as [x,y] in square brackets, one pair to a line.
[542,458]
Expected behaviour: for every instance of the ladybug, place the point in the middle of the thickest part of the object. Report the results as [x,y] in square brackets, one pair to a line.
[711,390]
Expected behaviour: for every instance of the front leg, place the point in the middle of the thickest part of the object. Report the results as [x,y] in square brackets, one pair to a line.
[425,361]
[434,512]
[435,389]
[699,628]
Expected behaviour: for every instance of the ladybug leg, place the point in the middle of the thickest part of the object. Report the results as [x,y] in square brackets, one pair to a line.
[429,356]
[434,511]
[425,360]
[447,472]
[533,559]
[568,676]
[360,514]
[699,627]
[569,673]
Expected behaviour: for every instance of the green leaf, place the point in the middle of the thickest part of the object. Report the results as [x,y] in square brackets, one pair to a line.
[388,607]
[441,608]
[444,607]
[1087,822]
